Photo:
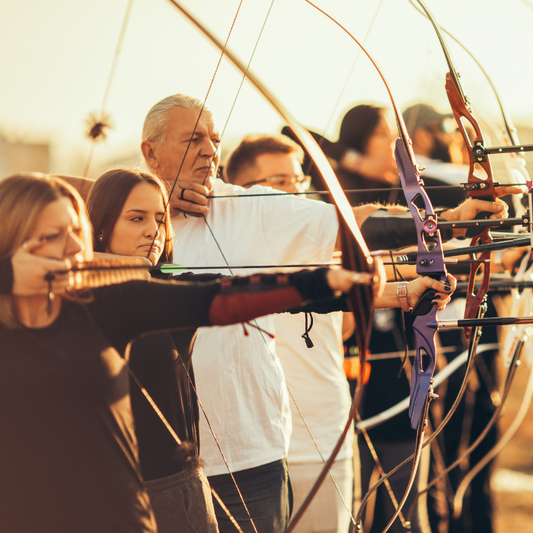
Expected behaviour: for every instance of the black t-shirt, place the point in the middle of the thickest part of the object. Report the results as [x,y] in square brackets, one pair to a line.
[164,372]
[68,454]
[162,364]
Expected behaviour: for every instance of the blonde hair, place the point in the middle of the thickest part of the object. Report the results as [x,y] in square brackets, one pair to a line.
[22,199]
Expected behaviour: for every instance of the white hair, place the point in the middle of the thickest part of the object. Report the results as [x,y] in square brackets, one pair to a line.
[156,119]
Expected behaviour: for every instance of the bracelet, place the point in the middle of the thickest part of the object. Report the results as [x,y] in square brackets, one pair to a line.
[401,291]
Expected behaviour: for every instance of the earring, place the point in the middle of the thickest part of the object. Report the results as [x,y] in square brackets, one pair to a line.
[100,238]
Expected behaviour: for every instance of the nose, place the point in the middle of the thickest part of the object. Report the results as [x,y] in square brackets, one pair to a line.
[153,229]
[73,245]
[292,187]
[208,148]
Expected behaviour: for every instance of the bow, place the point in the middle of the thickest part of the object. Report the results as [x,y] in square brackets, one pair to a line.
[430,262]
[479,163]
[481,185]
[355,254]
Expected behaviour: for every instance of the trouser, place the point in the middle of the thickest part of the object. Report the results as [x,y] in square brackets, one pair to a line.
[266,492]
[391,454]
[182,503]
[329,511]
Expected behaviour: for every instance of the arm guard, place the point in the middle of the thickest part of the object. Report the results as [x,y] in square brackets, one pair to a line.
[241,299]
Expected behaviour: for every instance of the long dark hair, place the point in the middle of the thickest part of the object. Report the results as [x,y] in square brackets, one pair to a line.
[107,198]
[358,126]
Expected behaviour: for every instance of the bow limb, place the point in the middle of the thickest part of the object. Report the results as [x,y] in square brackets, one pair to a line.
[517,349]
[303,135]
[511,430]
[521,305]
[478,162]
[357,256]
[514,161]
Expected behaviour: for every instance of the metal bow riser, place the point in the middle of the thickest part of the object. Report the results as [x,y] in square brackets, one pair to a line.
[430,262]
[461,111]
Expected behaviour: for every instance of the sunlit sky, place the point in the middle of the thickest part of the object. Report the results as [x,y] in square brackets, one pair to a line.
[56,56]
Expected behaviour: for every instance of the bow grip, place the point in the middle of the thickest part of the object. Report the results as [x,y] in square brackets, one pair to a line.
[424,305]
[424,363]
[484,215]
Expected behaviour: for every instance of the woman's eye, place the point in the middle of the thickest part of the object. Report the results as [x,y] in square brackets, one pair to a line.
[49,238]
[137,219]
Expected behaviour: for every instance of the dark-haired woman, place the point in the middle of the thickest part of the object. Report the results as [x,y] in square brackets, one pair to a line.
[365,133]
[68,452]
[362,157]
[129,214]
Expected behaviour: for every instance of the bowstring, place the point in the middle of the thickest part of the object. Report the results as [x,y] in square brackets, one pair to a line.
[346,82]
[381,471]
[170,429]
[222,54]
[111,77]
[276,362]
[403,133]
[518,339]
[139,384]
[217,243]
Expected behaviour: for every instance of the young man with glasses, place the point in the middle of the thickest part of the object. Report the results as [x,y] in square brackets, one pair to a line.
[313,371]
[270,160]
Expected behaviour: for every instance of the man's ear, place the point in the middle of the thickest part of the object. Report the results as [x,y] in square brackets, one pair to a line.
[148,152]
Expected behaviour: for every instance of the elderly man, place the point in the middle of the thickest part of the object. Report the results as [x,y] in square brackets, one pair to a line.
[241,389]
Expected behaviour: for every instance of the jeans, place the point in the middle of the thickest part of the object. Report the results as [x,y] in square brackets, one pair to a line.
[267,493]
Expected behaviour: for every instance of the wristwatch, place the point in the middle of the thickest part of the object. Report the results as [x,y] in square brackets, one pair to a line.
[401,291]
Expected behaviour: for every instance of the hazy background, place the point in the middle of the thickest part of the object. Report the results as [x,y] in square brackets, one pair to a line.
[56,57]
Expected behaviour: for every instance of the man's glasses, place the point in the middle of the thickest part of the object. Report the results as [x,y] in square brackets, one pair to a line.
[284,181]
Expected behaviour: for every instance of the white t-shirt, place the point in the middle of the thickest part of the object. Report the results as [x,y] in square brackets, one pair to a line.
[239,378]
[316,379]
